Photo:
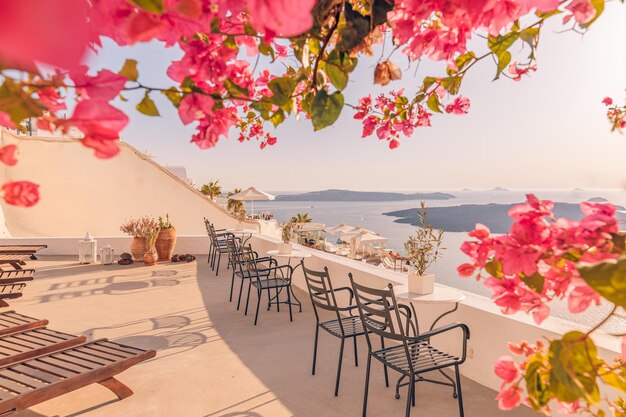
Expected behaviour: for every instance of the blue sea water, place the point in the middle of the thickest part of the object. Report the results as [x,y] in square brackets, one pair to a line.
[369,215]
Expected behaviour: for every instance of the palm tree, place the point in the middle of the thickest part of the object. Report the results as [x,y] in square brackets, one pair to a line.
[212,189]
[301,218]
[235,206]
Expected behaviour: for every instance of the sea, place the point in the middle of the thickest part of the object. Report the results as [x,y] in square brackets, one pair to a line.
[369,215]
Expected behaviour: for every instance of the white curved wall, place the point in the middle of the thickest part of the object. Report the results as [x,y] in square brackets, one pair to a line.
[80,192]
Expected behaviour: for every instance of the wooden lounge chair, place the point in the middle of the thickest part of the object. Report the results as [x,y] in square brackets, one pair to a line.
[12,322]
[22,249]
[10,292]
[27,344]
[16,276]
[33,381]
[16,260]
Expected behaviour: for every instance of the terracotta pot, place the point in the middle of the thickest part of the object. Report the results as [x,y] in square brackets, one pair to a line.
[137,248]
[150,258]
[165,243]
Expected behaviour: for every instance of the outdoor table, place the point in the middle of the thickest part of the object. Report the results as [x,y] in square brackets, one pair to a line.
[15,260]
[441,295]
[294,254]
[244,234]
[22,249]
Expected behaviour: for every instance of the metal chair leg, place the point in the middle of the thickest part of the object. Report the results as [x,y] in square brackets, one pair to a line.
[413,394]
[356,353]
[410,396]
[367,384]
[289,304]
[382,344]
[339,367]
[232,284]
[248,297]
[219,260]
[459,391]
[240,291]
[317,332]
[258,303]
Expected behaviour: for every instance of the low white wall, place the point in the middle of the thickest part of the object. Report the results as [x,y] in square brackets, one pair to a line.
[81,193]
[490,329]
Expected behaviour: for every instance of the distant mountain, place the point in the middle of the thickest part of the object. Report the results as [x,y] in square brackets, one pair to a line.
[347,195]
[466,190]
[598,200]
[498,189]
[463,218]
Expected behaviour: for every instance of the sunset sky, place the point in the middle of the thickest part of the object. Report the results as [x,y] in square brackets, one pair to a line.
[547,131]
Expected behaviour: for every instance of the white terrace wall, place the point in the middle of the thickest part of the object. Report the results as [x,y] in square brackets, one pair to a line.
[81,193]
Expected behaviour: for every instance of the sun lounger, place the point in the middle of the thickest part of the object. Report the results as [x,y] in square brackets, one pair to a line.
[22,249]
[12,322]
[15,260]
[27,344]
[16,276]
[33,381]
[10,292]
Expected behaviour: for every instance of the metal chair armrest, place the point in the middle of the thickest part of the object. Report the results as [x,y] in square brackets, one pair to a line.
[443,329]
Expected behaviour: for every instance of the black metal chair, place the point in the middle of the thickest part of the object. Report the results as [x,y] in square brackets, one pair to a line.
[411,356]
[266,278]
[218,244]
[323,296]
[238,263]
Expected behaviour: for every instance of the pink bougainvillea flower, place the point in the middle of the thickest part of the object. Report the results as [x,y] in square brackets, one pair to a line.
[460,105]
[506,369]
[393,144]
[20,193]
[582,11]
[7,154]
[466,270]
[623,349]
[517,71]
[5,120]
[142,27]
[607,101]
[105,86]
[508,398]
[581,296]
[568,408]
[104,148]
[53,31]
[281,17]
[480,232]
[195,107]
[98,119]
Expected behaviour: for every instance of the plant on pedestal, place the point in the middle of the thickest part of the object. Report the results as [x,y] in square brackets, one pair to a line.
[423,250]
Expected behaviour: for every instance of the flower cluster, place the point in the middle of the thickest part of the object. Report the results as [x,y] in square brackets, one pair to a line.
[615,113]
[537,261]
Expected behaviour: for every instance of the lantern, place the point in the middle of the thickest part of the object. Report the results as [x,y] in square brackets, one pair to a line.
[106,255]
[87,249]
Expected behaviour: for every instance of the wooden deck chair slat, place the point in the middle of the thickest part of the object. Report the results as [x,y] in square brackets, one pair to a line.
[75,355]
[48,365]
[100,354]
[117,354]
[35,373]
[24,379]
[116,346]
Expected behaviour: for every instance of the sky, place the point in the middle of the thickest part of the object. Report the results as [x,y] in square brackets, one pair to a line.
[547,131]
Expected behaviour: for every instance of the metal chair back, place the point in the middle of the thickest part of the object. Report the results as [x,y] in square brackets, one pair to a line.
[321,291]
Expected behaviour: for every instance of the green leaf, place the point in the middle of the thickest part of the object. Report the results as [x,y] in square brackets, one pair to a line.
[501,43]
[326,108]
[154,6]
[536,384]
[608,279]
[267,50]
[428,82]
[234,90]
[147,106]
[358,26]
[615,380]
[433,103]
[535,282]
[282,89]
[338,77]
[504,59]
[18,104]
[494,268]
[277,118]
[452,84]
[530,36]
[575,363]
[173,95]
[129,70]
[462,60]
[230,42]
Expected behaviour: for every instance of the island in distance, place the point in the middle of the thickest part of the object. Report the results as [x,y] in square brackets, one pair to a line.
[347,195]
[463,218]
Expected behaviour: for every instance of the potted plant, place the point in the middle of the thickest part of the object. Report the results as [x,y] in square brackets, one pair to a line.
[151,232]
[141,230]
[166,240]
[287,229]
[137,244]
[423,250]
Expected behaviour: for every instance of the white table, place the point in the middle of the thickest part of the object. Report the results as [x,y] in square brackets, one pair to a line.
[245,234]
[294,254]
[441,295]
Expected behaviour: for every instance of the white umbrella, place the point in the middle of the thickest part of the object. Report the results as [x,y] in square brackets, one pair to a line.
[252,194]
[339,229]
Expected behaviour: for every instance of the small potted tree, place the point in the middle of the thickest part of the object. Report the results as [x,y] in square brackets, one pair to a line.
[166,240]
[150,234]
[137,244]
[287,229]
[423,250]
